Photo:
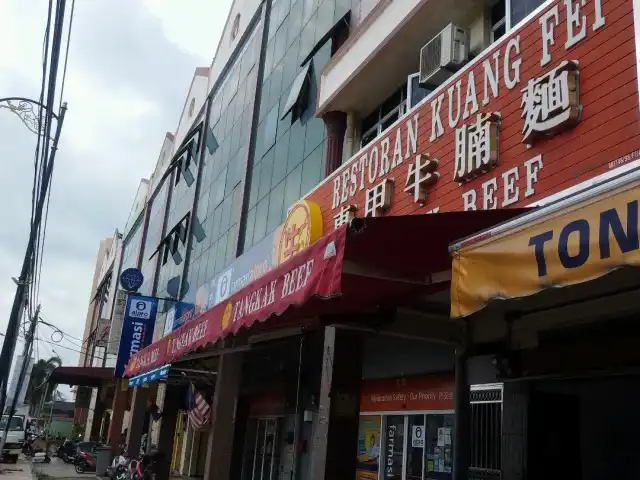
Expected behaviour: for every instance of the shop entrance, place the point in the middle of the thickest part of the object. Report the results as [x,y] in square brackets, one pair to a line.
[261,457]
[416,446]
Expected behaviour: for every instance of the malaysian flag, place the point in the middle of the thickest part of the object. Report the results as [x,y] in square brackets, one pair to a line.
[199,410]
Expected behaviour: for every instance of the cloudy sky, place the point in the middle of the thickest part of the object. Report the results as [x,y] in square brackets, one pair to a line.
[130,66]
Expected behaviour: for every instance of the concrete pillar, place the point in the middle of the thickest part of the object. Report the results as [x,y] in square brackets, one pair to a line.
[137,420]
[88,427]
[515,407]
[98,413]
[462,418]
[223,411]
[336,125]
[334,448]
[167,429]
[118,408]
[154,427]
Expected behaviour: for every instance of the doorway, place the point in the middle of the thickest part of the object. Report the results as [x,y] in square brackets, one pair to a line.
[261,456]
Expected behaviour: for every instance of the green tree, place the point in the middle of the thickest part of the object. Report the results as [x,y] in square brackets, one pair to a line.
[38,381]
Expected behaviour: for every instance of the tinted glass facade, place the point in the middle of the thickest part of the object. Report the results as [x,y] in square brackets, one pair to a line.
[246,127]
[289,156]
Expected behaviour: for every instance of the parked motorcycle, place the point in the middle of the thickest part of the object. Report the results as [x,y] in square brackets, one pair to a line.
[85,462]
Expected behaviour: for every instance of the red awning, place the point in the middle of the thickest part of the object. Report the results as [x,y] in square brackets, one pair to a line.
[375,262]
[81,376]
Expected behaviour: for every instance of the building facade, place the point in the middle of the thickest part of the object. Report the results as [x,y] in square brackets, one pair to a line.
[298,242]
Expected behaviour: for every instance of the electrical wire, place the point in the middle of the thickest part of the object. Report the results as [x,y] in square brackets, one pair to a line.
[66,54]
[38,172]
[46,214]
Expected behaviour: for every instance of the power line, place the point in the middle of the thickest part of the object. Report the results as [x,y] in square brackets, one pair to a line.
[66,54]
[40,255]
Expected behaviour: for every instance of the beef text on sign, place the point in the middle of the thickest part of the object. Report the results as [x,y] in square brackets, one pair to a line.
[551,103]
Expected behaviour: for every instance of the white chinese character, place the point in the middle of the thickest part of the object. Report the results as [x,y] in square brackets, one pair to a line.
[421,174]
[378,198]
[550,102]
[476,147]
[345,216]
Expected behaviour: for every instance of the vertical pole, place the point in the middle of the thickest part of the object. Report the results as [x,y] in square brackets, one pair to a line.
[23,371]
[462,418]
[11,337]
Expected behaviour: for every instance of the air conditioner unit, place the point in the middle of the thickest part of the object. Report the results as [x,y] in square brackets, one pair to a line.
[443,55]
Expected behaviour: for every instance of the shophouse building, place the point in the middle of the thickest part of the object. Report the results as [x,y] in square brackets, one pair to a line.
[305,283]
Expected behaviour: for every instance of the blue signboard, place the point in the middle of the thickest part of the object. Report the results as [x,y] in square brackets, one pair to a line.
[131,279]
[137,328]
[156,375]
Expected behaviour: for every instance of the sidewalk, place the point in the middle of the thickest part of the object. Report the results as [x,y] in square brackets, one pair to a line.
[19,471]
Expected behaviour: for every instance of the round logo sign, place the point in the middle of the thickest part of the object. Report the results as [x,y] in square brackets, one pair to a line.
[131,279]
[302,227]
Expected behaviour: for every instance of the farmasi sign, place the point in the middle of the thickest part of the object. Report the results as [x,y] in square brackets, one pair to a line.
[552,104]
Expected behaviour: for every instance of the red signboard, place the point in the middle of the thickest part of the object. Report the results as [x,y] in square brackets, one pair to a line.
[550,105]
[407,394]
[315,271]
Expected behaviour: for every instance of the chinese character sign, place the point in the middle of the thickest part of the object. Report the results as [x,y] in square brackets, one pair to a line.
[550,103]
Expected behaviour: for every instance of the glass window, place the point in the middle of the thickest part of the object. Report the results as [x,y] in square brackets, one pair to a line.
[415,447]
[231,245]
[295,94]
[522,8]
[292,187]
[324,21]
[439,447]
[255,182]
[368,446]
[280,159]
[270,127]
[307,39]
[296,145]
[266,174]
[314,135]
[280,42]
[393,446]
[248,235]
[262,210]
[275,86]
[312,170]
[498,20]
[274,217]
[309,7]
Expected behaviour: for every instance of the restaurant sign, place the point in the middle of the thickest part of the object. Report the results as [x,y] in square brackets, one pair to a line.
[551,104]
[315,271]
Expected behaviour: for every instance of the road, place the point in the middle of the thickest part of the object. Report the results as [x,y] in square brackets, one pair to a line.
[59,470]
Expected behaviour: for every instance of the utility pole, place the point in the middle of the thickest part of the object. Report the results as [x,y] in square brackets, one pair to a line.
[28,344]
[25,278]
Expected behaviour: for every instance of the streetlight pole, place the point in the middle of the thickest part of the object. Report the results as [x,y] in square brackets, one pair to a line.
[8,347]
[11,336]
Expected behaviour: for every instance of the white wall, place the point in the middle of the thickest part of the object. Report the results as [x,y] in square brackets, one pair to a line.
[166,152]
[138,205]
[246,9]
[197,94]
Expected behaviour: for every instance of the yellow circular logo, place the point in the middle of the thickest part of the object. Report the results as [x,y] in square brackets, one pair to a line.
[226,316]
[302,227]
[132,363]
